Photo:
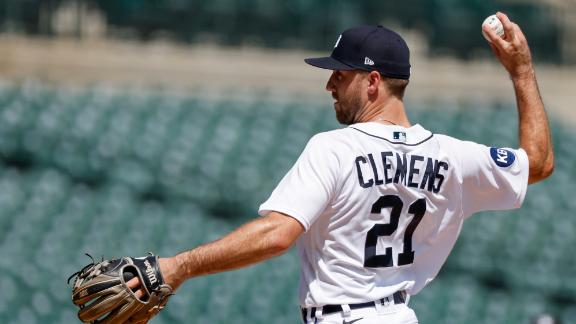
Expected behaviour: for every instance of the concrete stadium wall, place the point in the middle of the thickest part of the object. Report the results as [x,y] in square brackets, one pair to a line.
[224,70]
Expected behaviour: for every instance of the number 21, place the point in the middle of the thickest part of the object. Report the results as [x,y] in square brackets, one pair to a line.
[373,260]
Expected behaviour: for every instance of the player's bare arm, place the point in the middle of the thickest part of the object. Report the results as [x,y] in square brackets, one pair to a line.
[253,242]
[378,183]
[534,132]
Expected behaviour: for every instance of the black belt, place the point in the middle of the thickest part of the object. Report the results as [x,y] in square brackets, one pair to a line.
[398,298]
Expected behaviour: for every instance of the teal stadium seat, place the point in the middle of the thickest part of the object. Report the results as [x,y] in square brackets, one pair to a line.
[124,171]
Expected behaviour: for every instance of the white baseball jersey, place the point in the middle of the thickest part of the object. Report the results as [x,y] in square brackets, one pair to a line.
[382,206]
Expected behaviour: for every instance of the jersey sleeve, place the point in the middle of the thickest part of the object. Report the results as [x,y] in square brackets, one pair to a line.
[492,178]
[309,186]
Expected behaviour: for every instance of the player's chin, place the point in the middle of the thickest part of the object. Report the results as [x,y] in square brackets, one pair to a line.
[343,118]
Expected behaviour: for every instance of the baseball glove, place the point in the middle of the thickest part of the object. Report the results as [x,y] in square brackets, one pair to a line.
[101,292]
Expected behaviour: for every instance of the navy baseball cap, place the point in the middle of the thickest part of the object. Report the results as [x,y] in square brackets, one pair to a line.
[368,48]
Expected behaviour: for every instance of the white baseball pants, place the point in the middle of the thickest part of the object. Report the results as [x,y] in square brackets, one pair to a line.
[392,314]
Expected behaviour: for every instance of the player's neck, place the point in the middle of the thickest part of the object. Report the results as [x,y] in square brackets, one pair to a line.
[389,112]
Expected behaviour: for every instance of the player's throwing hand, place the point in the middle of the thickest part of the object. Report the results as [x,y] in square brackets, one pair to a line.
[512,50]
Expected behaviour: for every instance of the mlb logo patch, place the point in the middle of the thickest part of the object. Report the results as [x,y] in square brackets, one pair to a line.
[399,136]
[502,157]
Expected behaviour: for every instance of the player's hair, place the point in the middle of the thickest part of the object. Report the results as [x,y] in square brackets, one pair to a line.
[397,87]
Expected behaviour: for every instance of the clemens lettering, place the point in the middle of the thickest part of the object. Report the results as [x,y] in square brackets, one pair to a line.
[413,171]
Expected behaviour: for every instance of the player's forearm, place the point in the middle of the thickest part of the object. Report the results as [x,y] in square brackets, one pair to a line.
[246,245]
[534,131]
[251,243]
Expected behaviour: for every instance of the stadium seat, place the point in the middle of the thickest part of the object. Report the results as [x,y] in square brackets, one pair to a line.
[125,171]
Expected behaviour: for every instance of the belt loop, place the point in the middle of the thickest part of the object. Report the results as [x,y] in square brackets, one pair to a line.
[318,313]
[378,305]
[387,301]
[346,312]
[309,312]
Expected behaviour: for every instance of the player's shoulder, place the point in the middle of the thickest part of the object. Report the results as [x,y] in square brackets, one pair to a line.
[336,143]
[348,137]
[458,150]
[451,143]
[443,138]
[332,138]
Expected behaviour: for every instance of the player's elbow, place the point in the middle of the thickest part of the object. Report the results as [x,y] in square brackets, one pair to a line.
[283,232]
[547,168]
[279,241]
[279,245]
[542,171]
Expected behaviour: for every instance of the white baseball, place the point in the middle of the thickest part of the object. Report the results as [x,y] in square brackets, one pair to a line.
[494,23]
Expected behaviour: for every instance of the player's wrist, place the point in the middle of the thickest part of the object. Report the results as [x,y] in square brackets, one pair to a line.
[173,271]
[523,73]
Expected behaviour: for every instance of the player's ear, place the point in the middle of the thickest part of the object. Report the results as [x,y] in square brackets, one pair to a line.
[374,79]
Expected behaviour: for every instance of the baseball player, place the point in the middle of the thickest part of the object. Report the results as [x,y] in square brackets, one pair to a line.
[376,207]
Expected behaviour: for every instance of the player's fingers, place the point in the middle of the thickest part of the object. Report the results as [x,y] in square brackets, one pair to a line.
[495,40]
[509,30]
[495,50]
[139,294]
[519,34]
[133,283]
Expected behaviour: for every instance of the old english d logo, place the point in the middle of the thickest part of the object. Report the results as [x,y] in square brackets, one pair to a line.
[338,41]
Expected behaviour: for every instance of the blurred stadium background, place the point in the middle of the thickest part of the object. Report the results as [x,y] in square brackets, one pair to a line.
[129,126]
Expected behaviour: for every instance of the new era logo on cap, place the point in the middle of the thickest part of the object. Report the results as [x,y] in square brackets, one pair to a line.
[368,48]
[368,61]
